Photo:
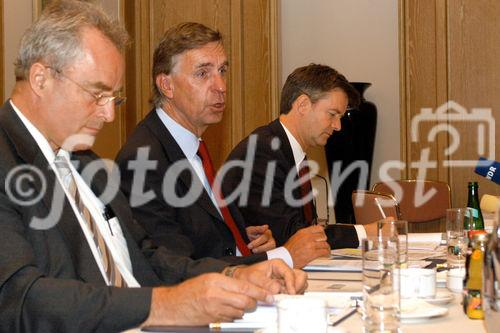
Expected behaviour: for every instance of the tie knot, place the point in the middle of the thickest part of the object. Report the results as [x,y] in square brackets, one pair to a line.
[303,167]
[62,165]
[203,151]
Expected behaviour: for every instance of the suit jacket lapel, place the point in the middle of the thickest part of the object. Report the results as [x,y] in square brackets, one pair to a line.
[174,154]
[52,194]
[288,160]
[286,148]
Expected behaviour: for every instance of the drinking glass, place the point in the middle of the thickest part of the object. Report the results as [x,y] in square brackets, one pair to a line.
[381,293]
[456,236]
[396,231]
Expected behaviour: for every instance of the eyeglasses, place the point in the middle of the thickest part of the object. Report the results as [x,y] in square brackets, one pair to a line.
[100,99]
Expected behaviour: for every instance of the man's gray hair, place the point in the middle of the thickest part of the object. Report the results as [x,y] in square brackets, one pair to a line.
[55,38]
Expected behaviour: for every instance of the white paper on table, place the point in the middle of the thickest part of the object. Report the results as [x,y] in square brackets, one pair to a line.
[349,252]
[334,265]
[267,315]
[334,286]
[423,254]
[425,237]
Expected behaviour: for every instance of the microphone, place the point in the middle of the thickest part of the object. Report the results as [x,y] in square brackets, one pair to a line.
[488,169]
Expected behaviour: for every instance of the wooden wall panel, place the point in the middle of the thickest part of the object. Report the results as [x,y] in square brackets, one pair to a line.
[260,105]
[474,78]
[112,136]
[449,52]
[424,86]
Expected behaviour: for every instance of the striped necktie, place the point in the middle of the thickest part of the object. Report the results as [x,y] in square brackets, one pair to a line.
[112,272]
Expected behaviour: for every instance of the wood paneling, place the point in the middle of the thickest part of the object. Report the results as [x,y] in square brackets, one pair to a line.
[449,52]
[249,28]
[474,79]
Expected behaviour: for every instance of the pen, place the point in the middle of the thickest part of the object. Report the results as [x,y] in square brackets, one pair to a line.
[380,208]
[345,316]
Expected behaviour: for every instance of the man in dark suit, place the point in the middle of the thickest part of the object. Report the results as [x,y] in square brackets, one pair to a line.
[313,100]
[69,260]
[176,203]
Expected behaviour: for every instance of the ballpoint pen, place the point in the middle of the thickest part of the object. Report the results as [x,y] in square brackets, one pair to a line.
[346,315]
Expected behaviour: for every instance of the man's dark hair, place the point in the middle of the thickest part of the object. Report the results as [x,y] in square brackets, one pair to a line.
[315,81]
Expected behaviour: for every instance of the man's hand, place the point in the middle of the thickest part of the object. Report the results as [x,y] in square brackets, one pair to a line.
[261,238]
[274,276]
[307,244]
[372,228]
[204,299]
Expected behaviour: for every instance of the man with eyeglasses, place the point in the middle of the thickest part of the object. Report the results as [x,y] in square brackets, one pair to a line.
[313,100]
[69,254]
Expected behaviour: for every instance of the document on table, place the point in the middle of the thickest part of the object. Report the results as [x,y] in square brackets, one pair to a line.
[335,265]
[347,265]
[267,315]
[425,241]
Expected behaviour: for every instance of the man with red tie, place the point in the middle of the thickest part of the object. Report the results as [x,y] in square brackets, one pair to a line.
[313,100]
[178,201]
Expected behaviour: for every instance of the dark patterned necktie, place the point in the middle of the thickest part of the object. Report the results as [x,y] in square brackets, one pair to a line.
[110,268]
[305,189]
[210,174]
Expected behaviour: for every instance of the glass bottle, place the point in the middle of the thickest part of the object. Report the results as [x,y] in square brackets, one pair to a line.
[475,222]
[474,277]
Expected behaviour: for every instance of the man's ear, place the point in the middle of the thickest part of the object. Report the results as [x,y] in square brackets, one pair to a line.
[38,77]
[302,104]
[165,85]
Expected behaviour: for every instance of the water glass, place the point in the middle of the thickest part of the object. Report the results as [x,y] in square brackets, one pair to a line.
[381,292]
[456,236]
[396,230]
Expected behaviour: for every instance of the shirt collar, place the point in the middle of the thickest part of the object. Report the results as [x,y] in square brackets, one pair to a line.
[298,152]
[185,139]
[41,141]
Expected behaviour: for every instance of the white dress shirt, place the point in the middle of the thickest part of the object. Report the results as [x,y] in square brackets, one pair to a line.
[115,241]
[298,156]
[189,143]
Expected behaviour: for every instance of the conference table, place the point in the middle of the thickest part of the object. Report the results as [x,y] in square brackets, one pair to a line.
[455,321]
[338,284]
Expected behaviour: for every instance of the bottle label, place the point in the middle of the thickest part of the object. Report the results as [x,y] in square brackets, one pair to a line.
[475,213]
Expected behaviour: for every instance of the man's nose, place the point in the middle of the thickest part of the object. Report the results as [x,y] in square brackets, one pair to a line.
[108,111]
[220,84]
[336,124]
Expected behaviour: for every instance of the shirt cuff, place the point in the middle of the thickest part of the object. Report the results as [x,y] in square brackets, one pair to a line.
[281,253]
[360,231]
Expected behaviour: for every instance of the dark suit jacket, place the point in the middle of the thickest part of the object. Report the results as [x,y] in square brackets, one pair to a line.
[283,219]
[195,230]
[49,280]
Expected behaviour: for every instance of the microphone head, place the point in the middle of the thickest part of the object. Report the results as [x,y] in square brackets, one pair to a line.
[488,169]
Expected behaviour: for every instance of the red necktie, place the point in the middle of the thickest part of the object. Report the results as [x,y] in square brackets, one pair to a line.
[305,189]
[210,174]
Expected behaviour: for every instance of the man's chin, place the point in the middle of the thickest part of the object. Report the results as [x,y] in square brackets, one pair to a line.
[79,141]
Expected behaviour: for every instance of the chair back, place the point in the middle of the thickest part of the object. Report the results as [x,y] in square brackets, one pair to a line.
[419,200]
[366,206]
